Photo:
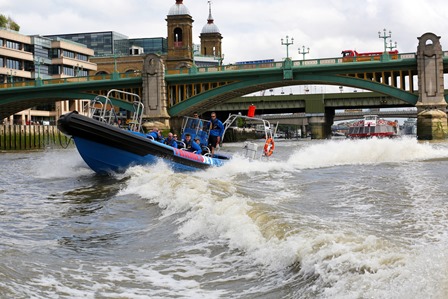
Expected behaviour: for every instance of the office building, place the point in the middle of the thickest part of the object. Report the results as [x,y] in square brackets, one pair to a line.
[26,58]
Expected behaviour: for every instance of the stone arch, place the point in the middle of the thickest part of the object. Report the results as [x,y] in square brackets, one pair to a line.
[429,44]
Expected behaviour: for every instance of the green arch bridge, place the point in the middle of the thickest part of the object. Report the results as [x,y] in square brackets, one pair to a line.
[394,81]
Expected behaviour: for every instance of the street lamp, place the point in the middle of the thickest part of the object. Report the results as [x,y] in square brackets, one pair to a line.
[303,52]
[287,44]
[391,46]
[78,70]
[11,76]
[384,36]
[38,62]
[220,58]
[115,74]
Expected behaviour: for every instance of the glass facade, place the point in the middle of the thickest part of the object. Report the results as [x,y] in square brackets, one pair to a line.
[109,43]
[157,45]
[103,43]
[42,49]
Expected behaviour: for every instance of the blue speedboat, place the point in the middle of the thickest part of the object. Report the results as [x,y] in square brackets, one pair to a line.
[106,145]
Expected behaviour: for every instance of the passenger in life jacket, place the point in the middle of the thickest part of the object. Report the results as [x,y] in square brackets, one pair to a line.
[188,141]
[197,146]
[170,140]
[155,134]
[192,146]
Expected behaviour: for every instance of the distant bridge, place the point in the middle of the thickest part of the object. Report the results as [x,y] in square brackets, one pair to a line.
[301,119]
[310,103]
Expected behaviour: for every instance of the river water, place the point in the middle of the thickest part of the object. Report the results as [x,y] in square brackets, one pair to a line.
[320,219]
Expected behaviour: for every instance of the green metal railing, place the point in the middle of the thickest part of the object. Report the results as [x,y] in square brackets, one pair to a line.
[295,63]
[44,82]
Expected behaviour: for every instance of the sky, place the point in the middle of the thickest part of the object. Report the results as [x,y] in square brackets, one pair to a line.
[251,30]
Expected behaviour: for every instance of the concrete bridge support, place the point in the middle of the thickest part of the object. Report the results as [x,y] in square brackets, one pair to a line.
[154,91]
[431,105]
[320,124]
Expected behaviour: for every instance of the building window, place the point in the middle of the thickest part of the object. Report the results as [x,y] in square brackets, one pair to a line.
[12,45]
[68,54]
[69,71]
[82,57]
[12,64]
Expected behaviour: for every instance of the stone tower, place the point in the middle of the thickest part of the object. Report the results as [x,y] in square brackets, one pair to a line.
[431,105]
[211,37]
[180,37]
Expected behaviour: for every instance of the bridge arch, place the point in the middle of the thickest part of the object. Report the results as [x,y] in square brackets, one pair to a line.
[206,100]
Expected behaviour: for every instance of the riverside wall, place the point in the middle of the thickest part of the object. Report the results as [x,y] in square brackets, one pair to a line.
[31,137]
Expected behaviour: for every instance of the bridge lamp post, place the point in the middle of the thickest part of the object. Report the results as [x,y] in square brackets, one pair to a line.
[220,58]
[38,62]
[11,76]
[303,52]
[78,70]
[391,46]
[287,44]
[115,75]
[385,36]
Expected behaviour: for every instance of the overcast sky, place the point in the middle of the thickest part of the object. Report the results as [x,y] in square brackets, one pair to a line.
[251,30]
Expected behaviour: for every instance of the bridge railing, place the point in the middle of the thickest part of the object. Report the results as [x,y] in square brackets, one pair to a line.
[79,79]
[279,64]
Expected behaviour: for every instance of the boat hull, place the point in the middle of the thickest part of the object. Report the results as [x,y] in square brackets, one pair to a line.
[106,148]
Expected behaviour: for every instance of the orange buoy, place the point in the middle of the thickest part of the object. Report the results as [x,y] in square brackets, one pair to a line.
[269,147]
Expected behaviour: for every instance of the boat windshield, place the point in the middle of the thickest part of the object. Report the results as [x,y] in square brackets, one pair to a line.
[196,127]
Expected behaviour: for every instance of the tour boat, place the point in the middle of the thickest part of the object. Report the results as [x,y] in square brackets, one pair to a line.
[373,126]
[106,145]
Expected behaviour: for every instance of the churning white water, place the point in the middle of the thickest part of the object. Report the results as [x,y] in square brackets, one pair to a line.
[320,219]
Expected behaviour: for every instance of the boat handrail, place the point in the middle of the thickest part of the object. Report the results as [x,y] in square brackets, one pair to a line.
[98,109]
[102,109]
[233,117]
[137,116]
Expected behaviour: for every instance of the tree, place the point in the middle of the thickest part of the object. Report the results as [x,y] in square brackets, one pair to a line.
[3,21]
[8,23]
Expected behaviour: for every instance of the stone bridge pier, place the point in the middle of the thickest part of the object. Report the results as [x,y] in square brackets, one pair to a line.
[320,124]
[154,92]
[431,105]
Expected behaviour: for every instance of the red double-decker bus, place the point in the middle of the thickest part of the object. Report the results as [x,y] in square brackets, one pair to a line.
[353,56]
